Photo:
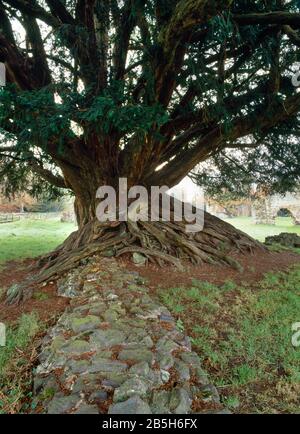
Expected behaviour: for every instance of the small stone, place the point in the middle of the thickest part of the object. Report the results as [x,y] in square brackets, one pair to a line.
[98,396]
[142,369]
[87,409]
[110,384]
[79,386]
[147,342]
[112,296]
[87,383]
[97,309]
[210,394]
[165,376]
[106,365]
[166,345]
[77,310]
[118,307]
[111,315]
[70,286]
[187,343]
[180,402]
[147,301]
[107,338]
[202,376]
[90,322]
[60,405]
[155,378]
[78,366]
[38,384]
[76,347]
[92,277]
[166,318]
[135,310]
[160,402]
[57,343]
[116,378]
[51,364]
[89,287]
[190,357]
[41,384]
[138,327]
[153,313]
[134,405]
[140,355]
[166,361]
[139,259]
[131,387]
[183,370]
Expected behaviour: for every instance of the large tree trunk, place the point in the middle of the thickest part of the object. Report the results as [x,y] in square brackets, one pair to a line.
[160,242]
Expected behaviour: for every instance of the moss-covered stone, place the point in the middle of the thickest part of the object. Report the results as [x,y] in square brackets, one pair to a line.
[90,322]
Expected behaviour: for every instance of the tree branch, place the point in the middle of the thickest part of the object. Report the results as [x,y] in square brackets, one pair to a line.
[32,9]
[278,17]
[18,67]
[41,67]
[187,159]
[47,175]
[5,25]
[174,37]
[59,11]
[128,22]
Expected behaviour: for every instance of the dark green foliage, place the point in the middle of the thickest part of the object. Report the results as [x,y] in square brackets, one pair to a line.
[111,70]
[275,166]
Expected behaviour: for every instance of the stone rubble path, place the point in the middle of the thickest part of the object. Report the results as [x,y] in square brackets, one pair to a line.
[116,350]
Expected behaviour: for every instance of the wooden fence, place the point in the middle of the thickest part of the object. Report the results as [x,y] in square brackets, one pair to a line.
[8,218]
[13,217]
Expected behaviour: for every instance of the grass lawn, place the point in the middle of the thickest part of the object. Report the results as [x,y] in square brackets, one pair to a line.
[15,389]
[243,336]
[31,238]
[260,232]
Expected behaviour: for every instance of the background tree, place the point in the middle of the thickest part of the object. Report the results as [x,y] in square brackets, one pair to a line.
[143,89]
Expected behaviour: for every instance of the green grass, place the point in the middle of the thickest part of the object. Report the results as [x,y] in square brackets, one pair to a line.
[31,238]
[260,232]
[16,360]
[243,336]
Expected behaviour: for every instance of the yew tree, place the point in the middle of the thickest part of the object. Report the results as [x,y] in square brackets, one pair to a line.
[98,90]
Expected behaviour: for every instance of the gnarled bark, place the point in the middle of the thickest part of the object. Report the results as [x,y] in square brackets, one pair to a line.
[160,242]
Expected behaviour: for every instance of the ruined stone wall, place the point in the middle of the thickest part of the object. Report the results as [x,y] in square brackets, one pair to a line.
[265,209]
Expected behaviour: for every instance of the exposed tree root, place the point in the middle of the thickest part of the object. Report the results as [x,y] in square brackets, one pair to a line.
[160,242]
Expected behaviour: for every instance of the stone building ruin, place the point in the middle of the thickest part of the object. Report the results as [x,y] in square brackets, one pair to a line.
[266,209]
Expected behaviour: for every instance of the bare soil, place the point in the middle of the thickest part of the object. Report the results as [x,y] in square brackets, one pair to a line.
[254,268]
[46,303]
